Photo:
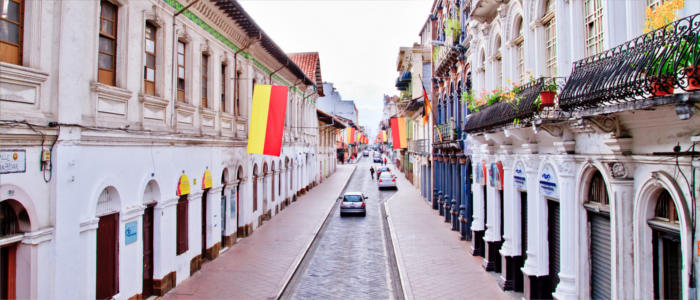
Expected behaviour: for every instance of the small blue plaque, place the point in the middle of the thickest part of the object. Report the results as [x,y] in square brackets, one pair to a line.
[130,232]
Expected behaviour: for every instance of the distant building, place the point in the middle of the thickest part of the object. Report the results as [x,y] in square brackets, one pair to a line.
[334,104]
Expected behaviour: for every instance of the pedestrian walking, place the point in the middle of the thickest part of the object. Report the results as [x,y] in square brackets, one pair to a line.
[371,171]
[385,161]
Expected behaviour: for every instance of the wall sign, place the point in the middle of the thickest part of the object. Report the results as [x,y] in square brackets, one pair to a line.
[496,175]
[519,177]
[480,176]
[13,161]
[549,185]
[130,232]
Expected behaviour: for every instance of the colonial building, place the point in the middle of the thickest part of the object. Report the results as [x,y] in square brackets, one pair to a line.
[329,127]
[581,131]
[123,142]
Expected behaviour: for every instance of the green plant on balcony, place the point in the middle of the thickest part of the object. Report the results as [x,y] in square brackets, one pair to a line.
[453,29]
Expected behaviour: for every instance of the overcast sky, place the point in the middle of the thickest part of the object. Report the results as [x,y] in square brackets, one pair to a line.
[358,42]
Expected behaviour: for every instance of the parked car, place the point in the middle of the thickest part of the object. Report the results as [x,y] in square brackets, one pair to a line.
[377,158]
[387,180]
[365,153]
[352,203]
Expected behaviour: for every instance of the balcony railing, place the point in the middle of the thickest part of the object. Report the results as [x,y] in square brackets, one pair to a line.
[503,113]
[419,146]
[445,132]
[650,65]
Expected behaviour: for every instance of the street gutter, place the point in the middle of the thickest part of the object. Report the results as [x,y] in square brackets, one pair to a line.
[297,262]
[405,284]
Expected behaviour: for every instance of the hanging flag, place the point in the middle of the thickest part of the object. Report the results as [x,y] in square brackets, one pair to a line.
[398,133]
[350,135]
[384,140]
[426,106]
[183,186]
[267,119]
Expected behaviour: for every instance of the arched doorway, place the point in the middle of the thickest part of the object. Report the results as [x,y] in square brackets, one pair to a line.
[597,205]
[14,221]
[224,180]
[239,177]
[265,189]
[666,248]
[107,249]
[151,195]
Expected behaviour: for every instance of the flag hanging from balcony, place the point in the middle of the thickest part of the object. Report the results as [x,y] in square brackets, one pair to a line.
[267,119]
[350,136]
[426,106]
[398,133]
[383,136]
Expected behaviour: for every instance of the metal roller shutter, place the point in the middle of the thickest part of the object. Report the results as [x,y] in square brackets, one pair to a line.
[600,256]
[553,239]
[523,224]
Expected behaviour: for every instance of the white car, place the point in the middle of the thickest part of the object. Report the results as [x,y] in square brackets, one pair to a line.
[387,180]
[352,203]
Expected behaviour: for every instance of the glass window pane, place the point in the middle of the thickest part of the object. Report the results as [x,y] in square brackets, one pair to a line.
[106,45]
[181,84]
[9,32]
[181,72]
[180,47]
[107,10]
[181,59]
[10,10]
[150,46]
[151,61]
[106,62]
[150,74]
[150,32]
[107,27]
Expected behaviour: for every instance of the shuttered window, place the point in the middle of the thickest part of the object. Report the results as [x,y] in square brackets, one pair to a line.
[599,230]
[149,68]
[182,225]
[11,31]
[593,17]
[107,56]
[223,88]
[523,225]
[180,71]
[550,39]
[204,82]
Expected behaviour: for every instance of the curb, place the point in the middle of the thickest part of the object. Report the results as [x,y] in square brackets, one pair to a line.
[297,262]
[403,277]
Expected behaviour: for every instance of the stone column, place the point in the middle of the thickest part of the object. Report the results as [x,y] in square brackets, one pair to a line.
[621,206]
[566,289]
[511,258]
[456,196]
[465,209]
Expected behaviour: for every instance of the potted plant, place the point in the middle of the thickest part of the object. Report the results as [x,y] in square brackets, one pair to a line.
[662,71]
[548,92]
[689,62]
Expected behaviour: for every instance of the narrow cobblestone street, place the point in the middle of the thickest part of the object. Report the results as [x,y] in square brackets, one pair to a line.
[350,259]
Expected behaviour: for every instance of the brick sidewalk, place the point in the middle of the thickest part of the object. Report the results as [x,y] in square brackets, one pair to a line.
[433,262]
[257,267]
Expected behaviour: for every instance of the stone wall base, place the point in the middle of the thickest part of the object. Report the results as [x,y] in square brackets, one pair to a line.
[165,284]
[493,257]
[229,240]
[537,287]
[478,247]
[512,277]
[195,264]
[213,252]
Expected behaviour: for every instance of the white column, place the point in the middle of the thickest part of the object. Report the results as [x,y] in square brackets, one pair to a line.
[566,289]
[510,212]
[621,205]
[532,263]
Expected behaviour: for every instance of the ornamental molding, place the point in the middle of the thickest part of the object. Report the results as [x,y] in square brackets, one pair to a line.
[617,170]
[567,168]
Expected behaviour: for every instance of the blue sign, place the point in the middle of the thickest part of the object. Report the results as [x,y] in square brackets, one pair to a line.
[519,177]
[549,183]
[130,232]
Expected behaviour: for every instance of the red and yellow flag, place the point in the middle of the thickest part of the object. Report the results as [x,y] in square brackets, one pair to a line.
[267,119]
[384,136]
[398,133]
[426,107]
[350,135]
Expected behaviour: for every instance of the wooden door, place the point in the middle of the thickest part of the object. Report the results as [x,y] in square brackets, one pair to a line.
[147,289]
[204,223]
[8,271]
[223,216]
[107,284]
[238,217]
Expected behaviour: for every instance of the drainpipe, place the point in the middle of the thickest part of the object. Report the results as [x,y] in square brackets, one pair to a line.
[282,67]
[174,89]
[235,63]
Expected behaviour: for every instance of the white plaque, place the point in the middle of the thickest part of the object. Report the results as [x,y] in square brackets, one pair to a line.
[13,161]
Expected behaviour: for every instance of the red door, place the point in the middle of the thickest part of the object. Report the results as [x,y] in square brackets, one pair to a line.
[147,289]
[107,256]
[8,271]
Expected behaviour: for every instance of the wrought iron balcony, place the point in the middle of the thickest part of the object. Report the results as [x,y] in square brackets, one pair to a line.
[653,64]
[503,113]
[419,146]
[446,132]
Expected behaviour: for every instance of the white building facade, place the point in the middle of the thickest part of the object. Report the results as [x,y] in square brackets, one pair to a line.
[586,198]
[142,119]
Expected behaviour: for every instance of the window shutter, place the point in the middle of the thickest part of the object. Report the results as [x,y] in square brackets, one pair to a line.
[182,245]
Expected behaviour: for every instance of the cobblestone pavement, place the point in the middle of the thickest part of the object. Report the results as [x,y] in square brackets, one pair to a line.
[257,267]
[433,262]
[349,259]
